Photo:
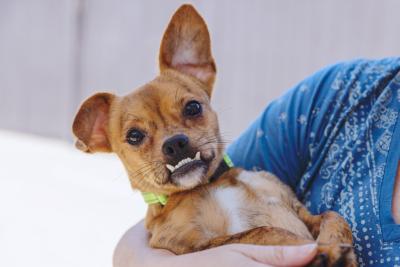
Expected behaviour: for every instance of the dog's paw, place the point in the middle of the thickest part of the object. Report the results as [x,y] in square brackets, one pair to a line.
[321,260]
[341,255]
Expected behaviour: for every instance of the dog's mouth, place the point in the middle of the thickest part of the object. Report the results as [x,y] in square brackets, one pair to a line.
[189,171]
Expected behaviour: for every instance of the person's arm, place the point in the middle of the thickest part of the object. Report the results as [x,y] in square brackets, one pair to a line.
[133,251]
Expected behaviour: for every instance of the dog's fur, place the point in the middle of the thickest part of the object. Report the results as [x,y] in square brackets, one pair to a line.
[240,206]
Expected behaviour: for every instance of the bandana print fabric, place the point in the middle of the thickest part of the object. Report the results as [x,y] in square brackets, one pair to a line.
[335,139]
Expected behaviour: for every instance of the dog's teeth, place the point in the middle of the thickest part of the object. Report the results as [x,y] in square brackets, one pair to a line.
[182,162]
[197,157]
[170,167]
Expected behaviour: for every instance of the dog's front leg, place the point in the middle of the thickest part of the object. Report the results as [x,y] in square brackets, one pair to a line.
[334,238]
[264,235]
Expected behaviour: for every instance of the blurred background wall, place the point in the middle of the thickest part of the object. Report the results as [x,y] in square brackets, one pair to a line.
[53,54]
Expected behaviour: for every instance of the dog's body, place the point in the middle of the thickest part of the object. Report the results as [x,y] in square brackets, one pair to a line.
[238,201]
[167,136]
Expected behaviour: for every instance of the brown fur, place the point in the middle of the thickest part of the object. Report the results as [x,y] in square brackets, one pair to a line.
[241,206]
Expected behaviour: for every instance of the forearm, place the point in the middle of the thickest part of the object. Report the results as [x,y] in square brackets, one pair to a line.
[133,250]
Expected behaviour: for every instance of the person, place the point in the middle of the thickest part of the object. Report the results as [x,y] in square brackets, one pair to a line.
[335,140]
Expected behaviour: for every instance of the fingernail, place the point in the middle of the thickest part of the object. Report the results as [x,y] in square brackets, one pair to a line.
[308,248]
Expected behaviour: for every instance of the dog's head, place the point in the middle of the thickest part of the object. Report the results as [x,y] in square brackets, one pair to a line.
[165,132]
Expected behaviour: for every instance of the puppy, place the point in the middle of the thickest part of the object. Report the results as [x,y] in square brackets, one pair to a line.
[167,136]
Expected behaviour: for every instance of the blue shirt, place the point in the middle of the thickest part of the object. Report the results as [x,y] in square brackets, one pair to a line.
[335,139]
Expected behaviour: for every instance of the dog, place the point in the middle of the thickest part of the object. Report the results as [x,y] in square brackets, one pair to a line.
[167,137]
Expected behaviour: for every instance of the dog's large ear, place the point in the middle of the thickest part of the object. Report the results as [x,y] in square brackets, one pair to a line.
[91,124]
[186,46]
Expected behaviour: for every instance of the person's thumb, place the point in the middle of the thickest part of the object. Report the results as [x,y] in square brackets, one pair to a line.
[280,255]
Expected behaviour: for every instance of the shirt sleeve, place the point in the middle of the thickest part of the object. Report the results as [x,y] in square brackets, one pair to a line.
[278,141]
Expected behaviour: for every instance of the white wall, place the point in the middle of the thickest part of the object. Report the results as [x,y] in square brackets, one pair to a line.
[53,54]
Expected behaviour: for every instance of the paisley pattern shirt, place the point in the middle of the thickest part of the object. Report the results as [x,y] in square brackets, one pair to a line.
[335,139]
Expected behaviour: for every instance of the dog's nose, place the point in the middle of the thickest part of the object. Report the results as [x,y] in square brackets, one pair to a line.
[176,145]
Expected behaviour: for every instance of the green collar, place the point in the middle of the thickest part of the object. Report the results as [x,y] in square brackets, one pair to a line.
[152,198]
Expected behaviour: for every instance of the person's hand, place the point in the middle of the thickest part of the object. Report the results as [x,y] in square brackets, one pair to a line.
[133,251]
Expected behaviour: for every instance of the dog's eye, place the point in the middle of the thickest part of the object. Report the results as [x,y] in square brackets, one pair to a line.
[192,109]
[134,137]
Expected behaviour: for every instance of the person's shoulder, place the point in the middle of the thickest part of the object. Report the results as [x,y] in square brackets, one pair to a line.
[364,64]
[346,75]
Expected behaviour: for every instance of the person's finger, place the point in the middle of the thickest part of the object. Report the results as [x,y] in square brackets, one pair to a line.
[279,255]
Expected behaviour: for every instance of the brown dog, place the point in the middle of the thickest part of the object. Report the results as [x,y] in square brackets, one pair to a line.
[167,136]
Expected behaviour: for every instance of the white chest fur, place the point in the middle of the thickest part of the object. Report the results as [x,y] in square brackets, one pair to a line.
[230,200]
